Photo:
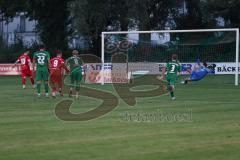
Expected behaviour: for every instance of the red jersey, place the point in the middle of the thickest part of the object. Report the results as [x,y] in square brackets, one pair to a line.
[57,63]
[25,61]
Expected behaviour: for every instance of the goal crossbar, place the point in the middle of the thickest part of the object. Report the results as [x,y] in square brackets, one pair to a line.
[174,31]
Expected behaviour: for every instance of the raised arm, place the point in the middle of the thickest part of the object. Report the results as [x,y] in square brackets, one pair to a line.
[15,64]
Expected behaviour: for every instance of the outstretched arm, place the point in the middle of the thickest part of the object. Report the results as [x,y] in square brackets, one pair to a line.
[15,64]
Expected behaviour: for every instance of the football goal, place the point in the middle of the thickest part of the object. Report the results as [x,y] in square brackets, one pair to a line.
[134,53]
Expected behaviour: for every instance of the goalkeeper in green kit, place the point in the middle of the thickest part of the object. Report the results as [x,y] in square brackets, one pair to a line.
[173,68]
[41,61]
[75,65]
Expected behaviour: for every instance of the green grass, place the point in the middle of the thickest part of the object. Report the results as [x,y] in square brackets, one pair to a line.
[30,130]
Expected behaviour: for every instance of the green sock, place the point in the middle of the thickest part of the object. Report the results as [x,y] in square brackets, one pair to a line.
[172,94]
[39,88]
[46,87]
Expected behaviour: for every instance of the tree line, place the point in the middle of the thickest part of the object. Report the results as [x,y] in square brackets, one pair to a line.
[60,19]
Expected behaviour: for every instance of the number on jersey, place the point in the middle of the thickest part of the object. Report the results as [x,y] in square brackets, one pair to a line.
[55,63]
[172,68]
[76,61]
[41,60]
[23,60]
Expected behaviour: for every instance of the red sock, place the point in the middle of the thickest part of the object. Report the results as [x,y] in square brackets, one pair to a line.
[23,81]
[60,86]
[54,90]
[32,80]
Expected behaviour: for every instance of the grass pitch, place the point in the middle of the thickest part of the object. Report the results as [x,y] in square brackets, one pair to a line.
[30,130]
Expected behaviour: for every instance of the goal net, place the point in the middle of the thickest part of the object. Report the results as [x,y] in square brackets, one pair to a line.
[128,54]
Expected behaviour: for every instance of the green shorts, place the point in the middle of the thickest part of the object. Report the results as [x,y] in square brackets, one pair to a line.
[76,75]
[172,80]
[42,75]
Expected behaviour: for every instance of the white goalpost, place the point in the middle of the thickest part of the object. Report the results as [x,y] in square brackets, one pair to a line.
[235,30]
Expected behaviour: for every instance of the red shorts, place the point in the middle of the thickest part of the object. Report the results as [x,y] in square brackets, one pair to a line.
[56,76]
[26,73]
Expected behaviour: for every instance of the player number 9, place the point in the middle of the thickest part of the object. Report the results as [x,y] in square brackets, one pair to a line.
[23,60]
[55,63]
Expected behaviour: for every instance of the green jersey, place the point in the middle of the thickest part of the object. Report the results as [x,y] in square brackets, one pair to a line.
[173,68]
[74,62]
[41,59]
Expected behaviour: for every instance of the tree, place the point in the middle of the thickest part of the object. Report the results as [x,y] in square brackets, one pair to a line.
[193,17]
[10,8]
[53,20]
[52,17]
[92,17]
[152,15]
[227,9]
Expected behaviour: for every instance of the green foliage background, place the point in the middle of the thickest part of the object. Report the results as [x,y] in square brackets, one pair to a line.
[59,20]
